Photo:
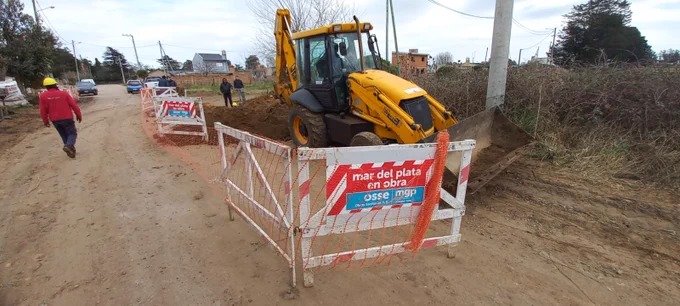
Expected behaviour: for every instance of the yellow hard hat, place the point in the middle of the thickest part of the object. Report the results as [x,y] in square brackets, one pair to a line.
[234,104]
[49,81]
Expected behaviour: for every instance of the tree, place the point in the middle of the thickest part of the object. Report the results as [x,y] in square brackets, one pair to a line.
[26,50]
[188,65]
[599,31]
[304,15]
[142,73]
[670,56]
[205,68]
[110,70]
[444,58]
[238,67]
[252,62]
[169,63]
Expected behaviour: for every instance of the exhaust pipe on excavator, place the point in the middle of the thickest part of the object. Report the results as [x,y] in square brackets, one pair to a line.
[361,43]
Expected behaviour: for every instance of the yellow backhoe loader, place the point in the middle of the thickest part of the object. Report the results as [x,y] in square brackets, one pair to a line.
[338,95]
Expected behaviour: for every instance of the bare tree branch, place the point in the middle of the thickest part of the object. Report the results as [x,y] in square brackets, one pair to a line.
[304,15]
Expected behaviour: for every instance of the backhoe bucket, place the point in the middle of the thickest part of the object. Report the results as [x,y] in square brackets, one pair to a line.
[499,143]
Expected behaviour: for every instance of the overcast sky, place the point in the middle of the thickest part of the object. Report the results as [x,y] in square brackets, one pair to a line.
[188,27]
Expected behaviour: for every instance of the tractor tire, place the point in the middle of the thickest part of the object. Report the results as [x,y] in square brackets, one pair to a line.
[307,129]
[366,139]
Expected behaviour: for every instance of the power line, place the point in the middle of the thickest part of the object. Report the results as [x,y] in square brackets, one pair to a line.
[538,43]
[515,21]
[459,12]
[49,23]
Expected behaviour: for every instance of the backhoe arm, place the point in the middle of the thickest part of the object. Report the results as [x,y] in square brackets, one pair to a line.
[286,69]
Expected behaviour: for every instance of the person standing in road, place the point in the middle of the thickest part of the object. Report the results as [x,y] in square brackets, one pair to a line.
[225,89]
[58,106]
[163,82]
[238,85]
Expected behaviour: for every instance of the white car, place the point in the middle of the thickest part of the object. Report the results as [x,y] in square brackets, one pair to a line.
[89,80]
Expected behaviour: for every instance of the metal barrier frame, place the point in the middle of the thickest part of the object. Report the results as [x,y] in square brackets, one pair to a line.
[246,142]
[165,92]
[166,123]
[322,224]
[147,99]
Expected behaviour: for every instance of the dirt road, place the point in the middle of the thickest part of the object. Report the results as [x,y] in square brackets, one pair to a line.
[126,223]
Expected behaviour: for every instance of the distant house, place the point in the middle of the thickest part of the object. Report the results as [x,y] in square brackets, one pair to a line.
[211,63]
[539,60]
[411,62]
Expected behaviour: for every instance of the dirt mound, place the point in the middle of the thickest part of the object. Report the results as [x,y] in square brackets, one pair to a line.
[263,116]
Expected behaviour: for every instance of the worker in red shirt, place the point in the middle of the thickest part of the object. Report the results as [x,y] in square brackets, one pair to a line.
[58,106]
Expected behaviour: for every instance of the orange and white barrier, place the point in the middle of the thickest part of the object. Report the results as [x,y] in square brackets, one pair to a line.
[377,189]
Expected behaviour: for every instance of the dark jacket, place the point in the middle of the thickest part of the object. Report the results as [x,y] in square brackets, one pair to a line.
[225,88]
[238,83]
[163,83]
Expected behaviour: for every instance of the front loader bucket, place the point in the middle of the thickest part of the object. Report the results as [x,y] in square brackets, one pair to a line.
[499,143]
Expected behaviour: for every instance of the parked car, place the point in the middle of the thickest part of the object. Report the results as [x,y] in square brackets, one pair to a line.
[134,86]
[89,80]
[151,82]
[85,88]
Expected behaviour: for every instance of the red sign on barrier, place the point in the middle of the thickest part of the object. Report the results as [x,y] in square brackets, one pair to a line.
[378,185]
[179,109]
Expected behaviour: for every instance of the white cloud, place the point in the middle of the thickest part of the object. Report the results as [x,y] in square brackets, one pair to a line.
[187,27]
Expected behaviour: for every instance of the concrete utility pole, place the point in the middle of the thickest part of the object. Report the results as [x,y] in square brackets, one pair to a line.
[139,65]
[35,14]
[396,45]
[500,51]
[552,49]
[387,30]
[120,63]
[519,58]
[75,59]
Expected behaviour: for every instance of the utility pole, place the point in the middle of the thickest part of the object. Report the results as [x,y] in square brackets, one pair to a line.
[500,51]
[387,30]
[519,58]
[35,14]
[552,49]
[120,63]
[139,65]
[165,66]
[486,54]
[396,45]
[75,58]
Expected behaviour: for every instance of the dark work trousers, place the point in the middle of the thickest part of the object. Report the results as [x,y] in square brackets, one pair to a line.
[67,131]
[227,96]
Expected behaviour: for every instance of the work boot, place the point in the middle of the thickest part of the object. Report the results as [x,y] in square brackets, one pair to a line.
[70,151]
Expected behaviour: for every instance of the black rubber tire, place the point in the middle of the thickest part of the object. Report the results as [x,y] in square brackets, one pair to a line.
[314,125]
[366,139]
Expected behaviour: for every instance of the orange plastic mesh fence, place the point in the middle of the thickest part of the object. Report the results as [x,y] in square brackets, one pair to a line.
[432,195]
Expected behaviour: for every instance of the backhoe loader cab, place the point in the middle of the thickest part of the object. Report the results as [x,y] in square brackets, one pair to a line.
[331,79]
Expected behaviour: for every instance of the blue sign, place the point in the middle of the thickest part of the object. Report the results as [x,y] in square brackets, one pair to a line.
[385,197]
[179,113]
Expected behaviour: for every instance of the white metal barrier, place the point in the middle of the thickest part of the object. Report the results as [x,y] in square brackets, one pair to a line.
[251,171]
[165,92]
[146,95]
[174,112]
[367,183]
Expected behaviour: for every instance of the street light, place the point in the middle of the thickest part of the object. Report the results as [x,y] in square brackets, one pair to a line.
[139,65]
[47,8]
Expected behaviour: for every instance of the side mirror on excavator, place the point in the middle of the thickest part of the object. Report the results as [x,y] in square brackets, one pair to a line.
[343,48]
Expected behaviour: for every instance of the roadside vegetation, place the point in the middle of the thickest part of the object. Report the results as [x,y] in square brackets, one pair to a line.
[620,121]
